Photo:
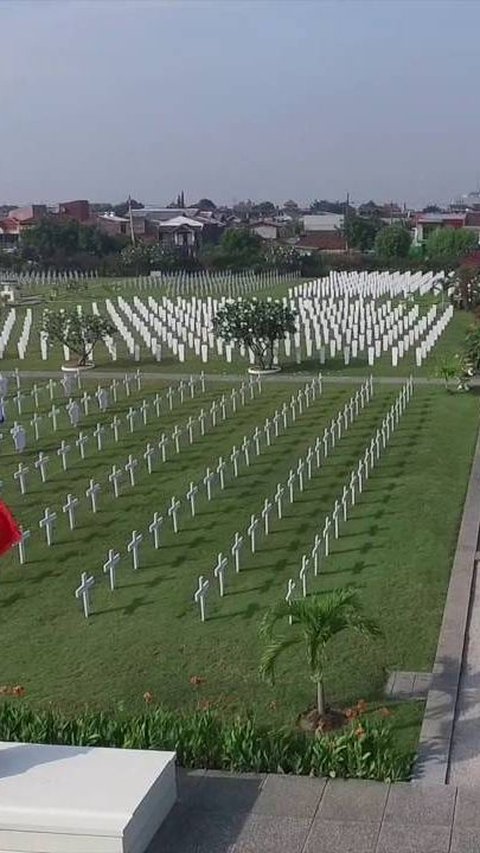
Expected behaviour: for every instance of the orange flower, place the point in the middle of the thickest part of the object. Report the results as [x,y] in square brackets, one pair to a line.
[18,690]
[360,732]
[196,680]
[351,713]
[148,697]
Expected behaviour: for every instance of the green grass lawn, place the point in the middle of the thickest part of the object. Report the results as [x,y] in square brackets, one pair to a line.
[397,547]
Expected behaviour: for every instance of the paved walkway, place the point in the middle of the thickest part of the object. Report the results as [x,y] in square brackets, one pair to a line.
[301,376]
[465,754]
[222,813]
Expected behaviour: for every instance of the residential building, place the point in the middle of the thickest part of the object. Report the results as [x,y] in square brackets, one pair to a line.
[112,224]
[425,223]
[266,229]
[321,241]
[323,222]
[78,210]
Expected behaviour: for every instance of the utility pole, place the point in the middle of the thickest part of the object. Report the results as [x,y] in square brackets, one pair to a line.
[130,217]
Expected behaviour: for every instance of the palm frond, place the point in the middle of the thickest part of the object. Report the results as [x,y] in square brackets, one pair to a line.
[271,653]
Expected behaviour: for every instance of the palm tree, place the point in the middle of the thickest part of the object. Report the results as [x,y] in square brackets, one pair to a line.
[320,618]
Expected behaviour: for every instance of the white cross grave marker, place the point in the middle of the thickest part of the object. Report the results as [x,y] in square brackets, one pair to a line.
[47,523]
[70,507]
[83,592]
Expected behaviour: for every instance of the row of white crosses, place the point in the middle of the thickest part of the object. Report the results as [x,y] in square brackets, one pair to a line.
[83,592]
[316,453]
[6,330]
[246,391]
[74,410]
[331,312]
[352,489]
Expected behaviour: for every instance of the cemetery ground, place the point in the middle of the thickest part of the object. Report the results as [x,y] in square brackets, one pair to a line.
[98,290]
[146,635]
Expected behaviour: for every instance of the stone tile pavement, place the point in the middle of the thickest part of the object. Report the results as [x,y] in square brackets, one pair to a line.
[246,813]
[404,686]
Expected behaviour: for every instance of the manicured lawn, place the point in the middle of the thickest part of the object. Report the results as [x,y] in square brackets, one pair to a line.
[397,547]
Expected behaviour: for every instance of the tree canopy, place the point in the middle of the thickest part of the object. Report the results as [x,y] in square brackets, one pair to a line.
[447,246]
[361,231]
[256,323]
[79,332]
[56,242]
[393,242]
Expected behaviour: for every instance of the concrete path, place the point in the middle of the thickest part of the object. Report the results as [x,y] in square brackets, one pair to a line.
[465,754]
[227,813]
[301,376]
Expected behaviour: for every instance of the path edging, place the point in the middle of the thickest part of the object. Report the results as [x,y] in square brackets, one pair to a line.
[435,740]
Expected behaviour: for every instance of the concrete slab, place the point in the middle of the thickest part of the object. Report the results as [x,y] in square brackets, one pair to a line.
[416,805]
[272,834]
[329,836]
[353,800]
[57,799]
[409,839]
[290,796]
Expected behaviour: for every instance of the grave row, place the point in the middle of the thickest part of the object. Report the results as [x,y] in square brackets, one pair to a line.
[195,426]
[339,424]
[316,454]
[342,506]
[92,492]
[76,408]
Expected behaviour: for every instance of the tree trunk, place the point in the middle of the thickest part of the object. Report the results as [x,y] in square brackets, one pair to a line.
[320,696]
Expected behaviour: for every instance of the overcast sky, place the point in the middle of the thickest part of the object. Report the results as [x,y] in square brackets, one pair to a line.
[267,99]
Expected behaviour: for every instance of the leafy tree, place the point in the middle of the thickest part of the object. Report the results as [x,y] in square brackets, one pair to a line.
[325,206]
[466,286]
[472,347]
[53,240]
[264,208]
[432,208]
[291,207]
[239,249]
[136,260]
[447,246]
[361,231]
[392,242]
[205,204]
[257,324]
[319,618]
[122,209]
[79,332]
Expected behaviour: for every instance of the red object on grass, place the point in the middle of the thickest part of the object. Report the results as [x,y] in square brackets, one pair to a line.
[10,533]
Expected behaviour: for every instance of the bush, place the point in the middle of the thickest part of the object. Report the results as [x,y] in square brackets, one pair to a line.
[364,749]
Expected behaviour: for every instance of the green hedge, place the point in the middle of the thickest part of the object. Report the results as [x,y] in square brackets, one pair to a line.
[364,749]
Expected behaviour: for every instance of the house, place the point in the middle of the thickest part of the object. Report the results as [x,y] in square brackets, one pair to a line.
[180,232]
[322,222]
[112,224]
[425,223]
[266,229]
[180,228]
[321,241]
[9,233]
[78,210]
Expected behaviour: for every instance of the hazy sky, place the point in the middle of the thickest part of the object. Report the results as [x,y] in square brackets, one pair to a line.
[268,99]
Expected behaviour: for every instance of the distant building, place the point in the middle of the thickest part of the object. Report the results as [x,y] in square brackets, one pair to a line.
[469,201]
[112,224]
[78,210]
[179,228]
[323,222]
[425,223]
[321,241]
[267,230]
